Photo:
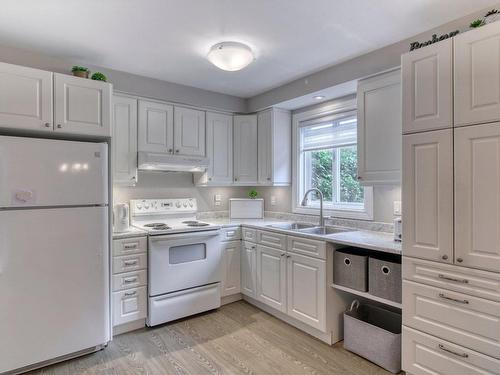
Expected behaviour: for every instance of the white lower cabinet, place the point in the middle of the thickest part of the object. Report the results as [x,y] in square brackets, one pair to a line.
[271,277]
[249,269]
[424,354]
[231,259]
[129,281]
[306,289]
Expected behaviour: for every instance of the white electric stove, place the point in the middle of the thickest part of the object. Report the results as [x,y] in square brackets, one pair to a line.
[184,258]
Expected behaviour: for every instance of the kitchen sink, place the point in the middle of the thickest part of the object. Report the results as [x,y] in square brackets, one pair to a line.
[291,226]
[323,230]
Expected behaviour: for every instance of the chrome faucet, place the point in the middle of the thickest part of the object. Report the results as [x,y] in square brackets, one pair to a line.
[304,202]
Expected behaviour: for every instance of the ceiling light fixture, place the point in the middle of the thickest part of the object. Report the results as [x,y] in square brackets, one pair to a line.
[319,97]
[230,56]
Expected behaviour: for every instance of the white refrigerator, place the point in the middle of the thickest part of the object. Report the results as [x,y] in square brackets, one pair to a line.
[54,250]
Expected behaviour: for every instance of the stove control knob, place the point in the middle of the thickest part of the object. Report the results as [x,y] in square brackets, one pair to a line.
[190,204]
[146,205]
[138,206]
[185,204]
[178,204]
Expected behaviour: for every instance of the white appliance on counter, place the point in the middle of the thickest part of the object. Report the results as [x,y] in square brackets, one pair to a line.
[184,258]
[121,220]
[54,250]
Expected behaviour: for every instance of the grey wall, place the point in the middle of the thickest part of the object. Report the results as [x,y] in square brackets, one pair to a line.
[130,83]
[362,66]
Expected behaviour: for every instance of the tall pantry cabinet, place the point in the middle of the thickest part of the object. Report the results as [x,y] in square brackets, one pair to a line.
[451,205]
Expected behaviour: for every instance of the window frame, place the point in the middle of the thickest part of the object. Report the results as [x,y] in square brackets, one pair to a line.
[334,108]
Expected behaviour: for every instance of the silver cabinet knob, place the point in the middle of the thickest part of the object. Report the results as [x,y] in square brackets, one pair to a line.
[170,150]
[176,151]
[269,179]
[460,260]
[360,178]
[235,179]
[210,179]
[445,257]
[47,124]
[59,126]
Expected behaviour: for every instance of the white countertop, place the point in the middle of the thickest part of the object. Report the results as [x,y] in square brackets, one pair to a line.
[378,241]
[131,232]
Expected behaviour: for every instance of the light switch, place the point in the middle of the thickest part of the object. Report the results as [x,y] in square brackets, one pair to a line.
[397,207]
[218,199]
[273,200]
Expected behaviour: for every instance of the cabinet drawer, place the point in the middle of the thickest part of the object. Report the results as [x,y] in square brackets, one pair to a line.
[473,322]
[230,234]
[427,355]
[249,234]
[130,263]
[128,246]
[306,246]
[271,239]
[466,280]
[129,305]
[130,280]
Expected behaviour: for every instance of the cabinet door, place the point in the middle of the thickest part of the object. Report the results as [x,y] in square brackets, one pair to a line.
[82,106]
[249,269]
[271,277]
[231,268]
[477,75]
[156,127]
[306,289]
[189,131]
[124,140]
[379,129]
[25,98]
[428,195]
[219,148]
[428,88]
[130,305]
[264,147]
[477,196]
[245,149]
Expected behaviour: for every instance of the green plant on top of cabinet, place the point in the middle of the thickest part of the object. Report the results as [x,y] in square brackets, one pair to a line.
[124,140]
[245,150]
[379,129]
[219,151]
[274,147]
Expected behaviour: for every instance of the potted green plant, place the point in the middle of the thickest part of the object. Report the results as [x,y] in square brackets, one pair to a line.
[253,194]
[98,76]
[80,71]
[476,23]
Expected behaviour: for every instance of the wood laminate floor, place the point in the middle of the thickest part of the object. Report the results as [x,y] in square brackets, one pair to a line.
[236,339]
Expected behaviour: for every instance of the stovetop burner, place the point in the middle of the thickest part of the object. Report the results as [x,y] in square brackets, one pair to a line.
[194,223]
[157,226]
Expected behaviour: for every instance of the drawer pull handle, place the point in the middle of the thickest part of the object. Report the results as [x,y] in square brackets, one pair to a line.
[130,280]
[462,281]
[130,247]
[462,355]
[282,255]
[347,261]
[463,301]
[130,263]
[130,294]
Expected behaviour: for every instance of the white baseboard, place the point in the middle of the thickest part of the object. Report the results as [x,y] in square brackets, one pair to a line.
[230,299]
[128,327]
[323,336]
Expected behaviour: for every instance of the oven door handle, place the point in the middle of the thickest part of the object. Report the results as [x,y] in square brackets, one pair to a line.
[188,235]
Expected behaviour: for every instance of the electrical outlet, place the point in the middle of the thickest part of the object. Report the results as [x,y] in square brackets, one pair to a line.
[218,199]
[273,200]
[397,208]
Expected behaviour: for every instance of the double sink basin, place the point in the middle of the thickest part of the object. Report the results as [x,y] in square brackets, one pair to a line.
[308,228]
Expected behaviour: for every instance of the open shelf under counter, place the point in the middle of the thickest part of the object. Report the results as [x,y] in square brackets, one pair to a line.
[367,296]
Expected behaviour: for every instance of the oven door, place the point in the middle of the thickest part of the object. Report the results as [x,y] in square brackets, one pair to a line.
[184,260]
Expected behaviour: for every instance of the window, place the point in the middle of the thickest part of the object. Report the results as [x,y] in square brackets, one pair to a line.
[326,159]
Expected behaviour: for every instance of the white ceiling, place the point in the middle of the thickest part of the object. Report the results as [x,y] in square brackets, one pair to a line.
[169,39]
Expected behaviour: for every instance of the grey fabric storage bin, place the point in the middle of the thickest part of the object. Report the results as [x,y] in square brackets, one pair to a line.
[385,278]
[351,270]
[375,334]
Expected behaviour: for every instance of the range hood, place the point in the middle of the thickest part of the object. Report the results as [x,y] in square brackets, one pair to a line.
[151,161]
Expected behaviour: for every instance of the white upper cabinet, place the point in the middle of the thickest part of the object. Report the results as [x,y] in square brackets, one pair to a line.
[428,195]
[245,149]
[274,147]
[219,150]
[379,129]
[25,98]
[156,127]
[124,140]
[477,196]
[427,88]
[189,132]
[82,106]
[271,277]
[477,75]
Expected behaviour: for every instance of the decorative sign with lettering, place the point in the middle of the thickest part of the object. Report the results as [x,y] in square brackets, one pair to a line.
[435,39]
